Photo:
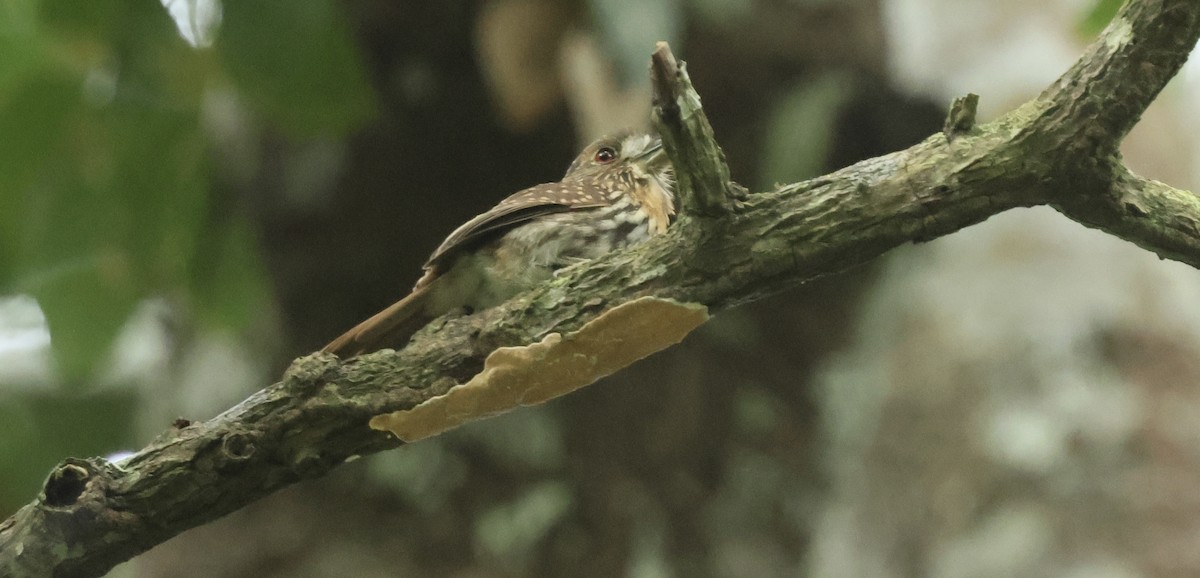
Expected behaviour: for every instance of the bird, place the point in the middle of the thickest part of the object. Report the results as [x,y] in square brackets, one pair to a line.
[619,191]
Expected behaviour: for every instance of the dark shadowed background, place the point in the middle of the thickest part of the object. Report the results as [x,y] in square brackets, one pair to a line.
[193,193]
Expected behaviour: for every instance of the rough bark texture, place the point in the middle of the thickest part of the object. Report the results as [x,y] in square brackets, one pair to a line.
[1058,150]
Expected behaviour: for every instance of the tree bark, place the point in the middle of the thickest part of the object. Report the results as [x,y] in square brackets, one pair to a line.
[727,248]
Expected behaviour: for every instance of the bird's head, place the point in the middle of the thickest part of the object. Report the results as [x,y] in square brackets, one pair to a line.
[631,166]
[637,152]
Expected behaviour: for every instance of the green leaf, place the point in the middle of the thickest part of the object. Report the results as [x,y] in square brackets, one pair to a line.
[23,459]
[160,178]
[104,205]
[296,62]
[81,17]
[21,47]
[39,430]
[85,303]
[230,287]
[801,129]
[118,219]
[72,254]
[33,118]
[1101,14]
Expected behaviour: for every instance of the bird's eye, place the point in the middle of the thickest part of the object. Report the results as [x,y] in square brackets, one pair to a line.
[606,155]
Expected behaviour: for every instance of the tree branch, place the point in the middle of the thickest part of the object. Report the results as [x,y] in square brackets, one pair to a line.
[1059,150]
[688,138]
[1105,92]
[1150,214]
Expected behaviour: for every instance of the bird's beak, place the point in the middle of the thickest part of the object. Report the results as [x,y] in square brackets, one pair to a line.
[653,157]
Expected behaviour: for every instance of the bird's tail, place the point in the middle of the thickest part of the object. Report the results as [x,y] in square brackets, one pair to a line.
[389,328]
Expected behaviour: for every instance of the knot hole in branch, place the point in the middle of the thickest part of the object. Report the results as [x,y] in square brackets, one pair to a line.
[65,484]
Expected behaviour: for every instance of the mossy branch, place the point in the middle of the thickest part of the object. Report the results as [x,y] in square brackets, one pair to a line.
[1058,150]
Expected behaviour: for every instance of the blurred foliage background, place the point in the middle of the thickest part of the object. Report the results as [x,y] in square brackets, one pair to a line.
[194,192]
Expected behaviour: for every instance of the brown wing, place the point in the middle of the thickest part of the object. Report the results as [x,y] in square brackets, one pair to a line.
[518,208]
[393,326]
